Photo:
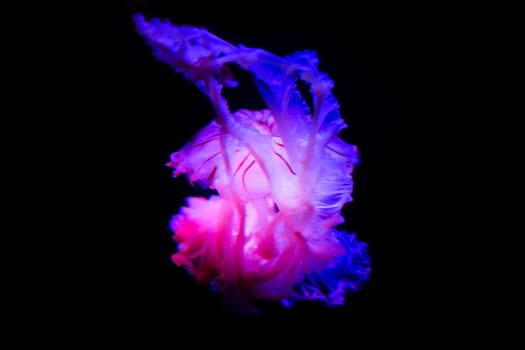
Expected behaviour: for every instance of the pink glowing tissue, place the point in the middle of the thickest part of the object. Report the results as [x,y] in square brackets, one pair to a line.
[281,176]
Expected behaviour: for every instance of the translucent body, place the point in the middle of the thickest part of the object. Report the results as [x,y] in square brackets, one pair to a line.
[282,176]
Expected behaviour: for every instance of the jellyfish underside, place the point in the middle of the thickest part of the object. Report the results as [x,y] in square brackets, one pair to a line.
[281,174]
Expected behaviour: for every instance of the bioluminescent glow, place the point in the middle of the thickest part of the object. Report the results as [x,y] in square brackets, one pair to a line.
[282,176]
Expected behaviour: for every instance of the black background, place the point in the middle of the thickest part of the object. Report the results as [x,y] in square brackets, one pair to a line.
[385,64]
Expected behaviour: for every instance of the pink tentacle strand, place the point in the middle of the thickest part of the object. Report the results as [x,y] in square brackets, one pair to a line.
[282,176]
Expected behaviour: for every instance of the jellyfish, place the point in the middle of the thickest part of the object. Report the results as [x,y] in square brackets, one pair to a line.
[280,175]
